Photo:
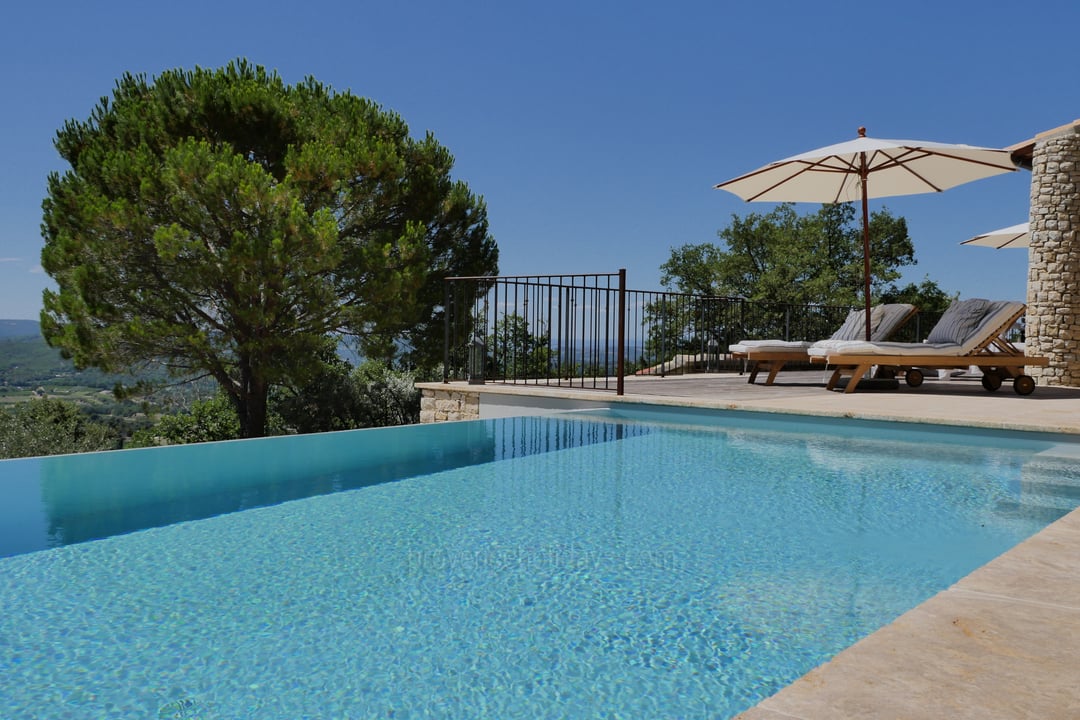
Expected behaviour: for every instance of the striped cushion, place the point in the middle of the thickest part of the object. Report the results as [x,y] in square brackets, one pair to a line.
[854,327]
[959,320]
[893,316]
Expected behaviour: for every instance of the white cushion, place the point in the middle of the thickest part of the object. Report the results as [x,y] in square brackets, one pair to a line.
[768,346]
[861,347]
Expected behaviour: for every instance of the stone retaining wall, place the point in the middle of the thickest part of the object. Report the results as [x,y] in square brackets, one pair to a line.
[445,405]
[1053,295]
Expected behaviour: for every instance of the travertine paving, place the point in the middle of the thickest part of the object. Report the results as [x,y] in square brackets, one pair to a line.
[952,402]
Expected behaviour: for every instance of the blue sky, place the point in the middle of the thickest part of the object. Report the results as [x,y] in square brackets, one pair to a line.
[594,130]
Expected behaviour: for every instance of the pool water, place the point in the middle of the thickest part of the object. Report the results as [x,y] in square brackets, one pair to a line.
[620,564]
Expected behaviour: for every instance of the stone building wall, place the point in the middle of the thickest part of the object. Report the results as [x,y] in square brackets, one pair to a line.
[1053,294]
[445,405]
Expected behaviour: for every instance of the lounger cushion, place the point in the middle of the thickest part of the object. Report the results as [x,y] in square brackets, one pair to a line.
[854,327]
[996,314]
[769,346]
[884,320]
[956,325]
[893,316]
[859,347]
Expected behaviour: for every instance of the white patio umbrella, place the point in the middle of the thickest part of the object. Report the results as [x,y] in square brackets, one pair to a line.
[1014,236]
[842,173]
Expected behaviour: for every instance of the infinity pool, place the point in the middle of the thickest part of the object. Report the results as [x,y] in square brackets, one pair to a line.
[636,564]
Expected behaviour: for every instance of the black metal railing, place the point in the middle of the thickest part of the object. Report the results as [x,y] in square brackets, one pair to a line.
[563,330]
[589,331]
[675,331]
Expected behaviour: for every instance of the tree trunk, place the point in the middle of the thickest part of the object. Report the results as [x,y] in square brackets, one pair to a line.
[253,422]
[251,402]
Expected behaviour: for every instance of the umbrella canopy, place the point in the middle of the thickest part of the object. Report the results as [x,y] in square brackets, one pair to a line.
[1014,236]
[869,168]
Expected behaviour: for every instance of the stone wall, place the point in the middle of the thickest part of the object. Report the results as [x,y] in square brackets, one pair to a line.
[444,405]
[1053,294]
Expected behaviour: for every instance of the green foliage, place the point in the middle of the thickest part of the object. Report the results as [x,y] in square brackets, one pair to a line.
[342,398]
[207,421]
[327,400]
[931,301]
[456,249]
[927,296]
[336,398]
[669,326]
[339,397]
[694,269]
[51,427]
[778,260]
[224,223]
[514,351]
[386,396]
[784,257]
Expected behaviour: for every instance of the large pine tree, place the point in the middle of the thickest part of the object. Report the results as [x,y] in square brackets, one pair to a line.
[222,222]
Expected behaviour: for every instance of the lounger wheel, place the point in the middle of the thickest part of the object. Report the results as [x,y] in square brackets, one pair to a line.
[1024,384]
[913,377]
[991,380]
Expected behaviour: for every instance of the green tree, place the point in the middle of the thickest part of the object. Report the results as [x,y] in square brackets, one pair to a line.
[341,397]
[224,224]
[51,427]
[927,296]
[671,326]
[515,351]
[387,396]
[327,400]
[207,421]
[338,397]
[784,257]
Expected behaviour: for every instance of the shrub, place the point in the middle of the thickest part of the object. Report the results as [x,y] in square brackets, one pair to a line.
[51,427]
[208,420]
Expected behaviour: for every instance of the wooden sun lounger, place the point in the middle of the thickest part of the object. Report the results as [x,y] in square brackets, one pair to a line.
[771,361]
[774,360]
[995,356]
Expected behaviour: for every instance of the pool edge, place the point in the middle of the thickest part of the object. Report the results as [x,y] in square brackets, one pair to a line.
[1003,641]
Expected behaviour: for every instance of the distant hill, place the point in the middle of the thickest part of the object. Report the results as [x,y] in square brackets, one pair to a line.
[27,361]
[19,328]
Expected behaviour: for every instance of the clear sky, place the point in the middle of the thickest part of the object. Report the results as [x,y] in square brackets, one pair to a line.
[594,130]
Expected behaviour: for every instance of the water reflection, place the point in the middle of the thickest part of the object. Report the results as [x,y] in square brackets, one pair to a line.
[54,501]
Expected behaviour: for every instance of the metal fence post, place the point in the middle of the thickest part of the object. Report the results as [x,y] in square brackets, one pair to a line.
[620,357]
[446,331]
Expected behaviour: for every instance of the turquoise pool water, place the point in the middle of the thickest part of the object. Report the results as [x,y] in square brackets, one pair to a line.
[633,565]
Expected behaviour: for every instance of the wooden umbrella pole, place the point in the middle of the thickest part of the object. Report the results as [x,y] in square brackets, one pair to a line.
[866,246]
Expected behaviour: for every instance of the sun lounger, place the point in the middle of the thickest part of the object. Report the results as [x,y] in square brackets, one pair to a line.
[772,355]
[971,333]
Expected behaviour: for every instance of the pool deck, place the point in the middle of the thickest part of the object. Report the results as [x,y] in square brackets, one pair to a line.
[1003,642]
